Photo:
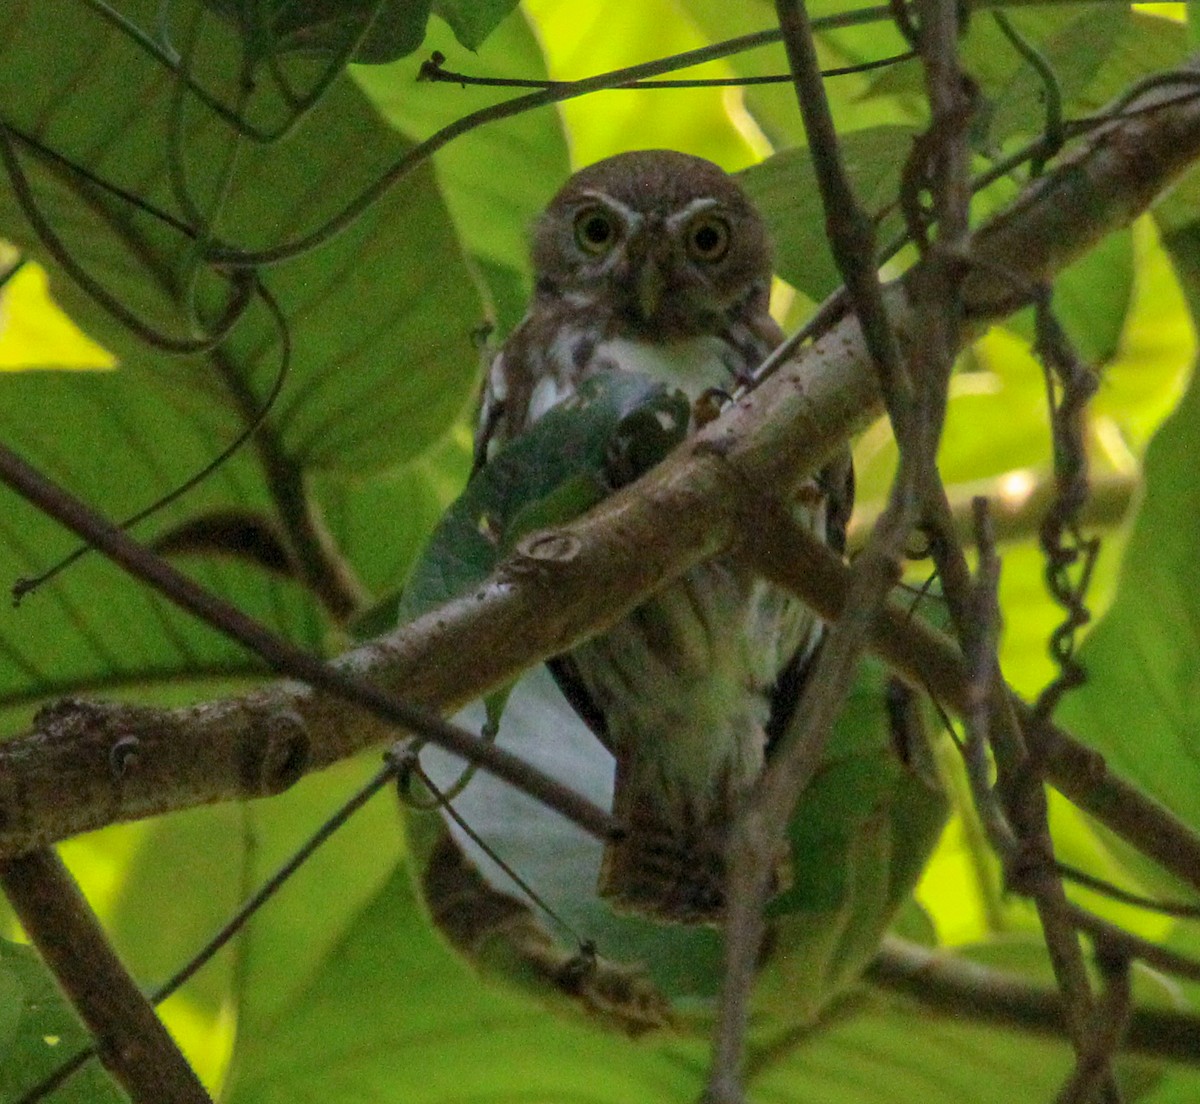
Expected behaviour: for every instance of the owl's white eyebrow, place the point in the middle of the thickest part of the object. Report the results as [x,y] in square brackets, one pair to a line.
[631,217]
[704,203]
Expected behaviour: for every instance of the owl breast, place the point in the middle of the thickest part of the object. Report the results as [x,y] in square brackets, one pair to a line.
[692,365]
[685,685]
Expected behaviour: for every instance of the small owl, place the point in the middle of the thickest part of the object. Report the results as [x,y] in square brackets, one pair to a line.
[656,262]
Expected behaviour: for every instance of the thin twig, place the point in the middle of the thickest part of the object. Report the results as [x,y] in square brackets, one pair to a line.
[1029,855]
[1111,939]
[1180,909]
[851,229]
[759,830]
[1093,1079]
[981,630]
[434,71]
[1069,561]
[1054,133]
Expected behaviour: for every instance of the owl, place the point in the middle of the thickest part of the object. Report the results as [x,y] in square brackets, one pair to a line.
[656,262]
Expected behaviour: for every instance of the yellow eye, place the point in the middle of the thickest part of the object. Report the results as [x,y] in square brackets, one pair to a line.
[596,230]
[708,238]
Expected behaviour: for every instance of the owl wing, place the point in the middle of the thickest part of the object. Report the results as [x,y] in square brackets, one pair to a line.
[566,674]
[836,480]
[492,400]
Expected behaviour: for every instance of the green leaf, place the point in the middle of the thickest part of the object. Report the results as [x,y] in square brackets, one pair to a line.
[552,472]
[497,178]
[1140,703]
[785,189]
[388,29]
[380,316]
[392,1014]
[38,1030]
[473,20]
[860,836]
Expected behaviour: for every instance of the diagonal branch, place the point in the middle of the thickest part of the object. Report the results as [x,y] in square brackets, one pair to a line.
[130,1039]
[56,780]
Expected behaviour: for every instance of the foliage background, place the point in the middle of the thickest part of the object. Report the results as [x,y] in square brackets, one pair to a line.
[342,988]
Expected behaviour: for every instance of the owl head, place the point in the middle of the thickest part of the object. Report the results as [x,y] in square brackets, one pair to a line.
[663,243]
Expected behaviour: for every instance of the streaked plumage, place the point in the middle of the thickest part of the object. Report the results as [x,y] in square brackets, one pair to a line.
[656,262]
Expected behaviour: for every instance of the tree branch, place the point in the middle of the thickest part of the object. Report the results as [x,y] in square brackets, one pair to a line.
[955,986]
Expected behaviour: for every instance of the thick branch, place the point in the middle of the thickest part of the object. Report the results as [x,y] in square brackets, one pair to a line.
[557,589]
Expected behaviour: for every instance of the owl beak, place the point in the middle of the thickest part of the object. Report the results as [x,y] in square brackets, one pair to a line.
[651,283]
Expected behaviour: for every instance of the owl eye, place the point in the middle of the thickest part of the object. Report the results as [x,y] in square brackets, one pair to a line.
[708,238]
[595,230]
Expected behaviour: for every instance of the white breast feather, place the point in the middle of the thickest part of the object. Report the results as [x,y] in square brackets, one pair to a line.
[692,365]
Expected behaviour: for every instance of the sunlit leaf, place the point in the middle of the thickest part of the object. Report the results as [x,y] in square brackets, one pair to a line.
[34,332]
[785,189]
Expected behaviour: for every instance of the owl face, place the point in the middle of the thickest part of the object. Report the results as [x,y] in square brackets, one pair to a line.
[663,243]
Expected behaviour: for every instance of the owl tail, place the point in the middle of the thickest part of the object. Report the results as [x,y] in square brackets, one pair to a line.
[669,865]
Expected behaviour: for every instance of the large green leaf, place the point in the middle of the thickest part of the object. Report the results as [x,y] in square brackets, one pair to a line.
[785,189]
[380,316]
[1139,705]
[391,1014]
[118,443]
